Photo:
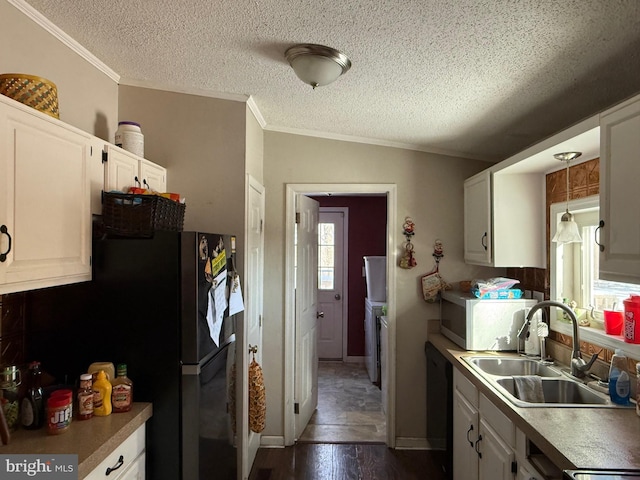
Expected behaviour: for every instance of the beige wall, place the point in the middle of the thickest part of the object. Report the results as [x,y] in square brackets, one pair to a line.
[201,142]
[88,99]
[254,147]
[430,190]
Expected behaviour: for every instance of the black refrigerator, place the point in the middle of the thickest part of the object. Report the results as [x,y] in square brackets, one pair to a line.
[158,305]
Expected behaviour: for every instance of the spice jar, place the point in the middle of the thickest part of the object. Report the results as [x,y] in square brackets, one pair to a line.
[85,397]
[58,414]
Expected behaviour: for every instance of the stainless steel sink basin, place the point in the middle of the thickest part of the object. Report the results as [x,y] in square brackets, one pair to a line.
[559,391]
[513,366]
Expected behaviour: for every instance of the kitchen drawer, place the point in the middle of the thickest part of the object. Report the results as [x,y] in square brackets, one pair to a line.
[498,420]
[136,470]
[130,450]
[465,387]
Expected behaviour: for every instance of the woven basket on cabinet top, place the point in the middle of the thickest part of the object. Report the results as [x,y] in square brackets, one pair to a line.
[36,92]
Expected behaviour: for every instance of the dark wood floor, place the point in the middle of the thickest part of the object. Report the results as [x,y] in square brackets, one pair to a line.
[313,461]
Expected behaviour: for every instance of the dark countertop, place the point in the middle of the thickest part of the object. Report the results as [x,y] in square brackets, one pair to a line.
[580,437]
[92,440]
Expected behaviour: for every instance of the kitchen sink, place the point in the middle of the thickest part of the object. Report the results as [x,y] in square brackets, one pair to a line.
[558,387]
[559,391]
[513,366]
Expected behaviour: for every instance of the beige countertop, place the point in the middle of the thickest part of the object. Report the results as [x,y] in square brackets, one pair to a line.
[579,437]
[92,440]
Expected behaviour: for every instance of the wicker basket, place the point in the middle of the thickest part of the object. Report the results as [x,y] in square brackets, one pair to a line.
[131,215]
[36,92]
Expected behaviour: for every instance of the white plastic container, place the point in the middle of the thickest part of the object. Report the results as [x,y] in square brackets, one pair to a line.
[129,136]
[375,271]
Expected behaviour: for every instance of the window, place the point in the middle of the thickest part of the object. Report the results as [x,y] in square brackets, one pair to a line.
[574,266]
[326,254]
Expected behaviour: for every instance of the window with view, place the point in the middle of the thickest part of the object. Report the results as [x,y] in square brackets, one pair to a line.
[326,256]
[575,268]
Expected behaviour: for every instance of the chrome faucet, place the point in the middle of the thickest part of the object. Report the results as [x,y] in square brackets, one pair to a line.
[579,367]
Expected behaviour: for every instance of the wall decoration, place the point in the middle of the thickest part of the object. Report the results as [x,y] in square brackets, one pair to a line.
[408,259]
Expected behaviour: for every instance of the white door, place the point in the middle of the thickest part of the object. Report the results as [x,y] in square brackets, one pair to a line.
[331,297]
[306,375]
[253,300]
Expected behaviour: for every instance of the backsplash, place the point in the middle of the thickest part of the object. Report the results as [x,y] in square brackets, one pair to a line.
[12,329]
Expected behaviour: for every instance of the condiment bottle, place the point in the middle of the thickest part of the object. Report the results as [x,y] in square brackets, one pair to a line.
[32,411]
[85,397]
[95,367]
[122,393]
[101,395]
[58,414]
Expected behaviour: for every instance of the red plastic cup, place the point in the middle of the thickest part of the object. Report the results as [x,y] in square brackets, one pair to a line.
[613,322]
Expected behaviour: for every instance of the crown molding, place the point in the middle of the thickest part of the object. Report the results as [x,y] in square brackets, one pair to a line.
[251,103]
[201,92]
[46,24]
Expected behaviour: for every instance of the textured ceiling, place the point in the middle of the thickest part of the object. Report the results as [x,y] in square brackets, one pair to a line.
[475,78]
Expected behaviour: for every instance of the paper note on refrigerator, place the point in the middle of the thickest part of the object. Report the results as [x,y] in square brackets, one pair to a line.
[217,306]
[236,303]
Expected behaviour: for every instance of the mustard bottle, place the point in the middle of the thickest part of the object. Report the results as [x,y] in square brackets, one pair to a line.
[101,395]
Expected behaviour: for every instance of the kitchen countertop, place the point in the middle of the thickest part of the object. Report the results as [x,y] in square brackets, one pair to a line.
[571,438]
[92,440]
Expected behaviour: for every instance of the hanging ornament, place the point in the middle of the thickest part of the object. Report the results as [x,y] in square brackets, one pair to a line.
[408,259]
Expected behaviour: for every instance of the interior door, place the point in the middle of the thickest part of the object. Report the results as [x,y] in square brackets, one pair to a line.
[330,283]
[306,369]
[253,292]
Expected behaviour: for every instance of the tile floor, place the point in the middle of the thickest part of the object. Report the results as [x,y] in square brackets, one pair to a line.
[349,407]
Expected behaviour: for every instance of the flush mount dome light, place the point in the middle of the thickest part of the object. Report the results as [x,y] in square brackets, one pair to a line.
[317,65]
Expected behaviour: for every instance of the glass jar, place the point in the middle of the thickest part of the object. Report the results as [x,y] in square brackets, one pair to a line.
[85,397]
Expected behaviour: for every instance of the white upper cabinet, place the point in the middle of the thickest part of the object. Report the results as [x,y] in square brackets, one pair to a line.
[477,219]
[123,169]
[619,199]
[504,219]
[45,200]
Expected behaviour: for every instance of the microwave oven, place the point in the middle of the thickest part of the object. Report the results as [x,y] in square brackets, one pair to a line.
[476,324]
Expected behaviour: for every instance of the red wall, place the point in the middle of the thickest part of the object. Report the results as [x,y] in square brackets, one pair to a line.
[367,236]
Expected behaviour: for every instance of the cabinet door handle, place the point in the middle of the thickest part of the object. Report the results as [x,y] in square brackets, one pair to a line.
[477,442]
[144,182]
[137,181]
[4,230]
[483,240]
[468,432]
[597,237]
[116,466]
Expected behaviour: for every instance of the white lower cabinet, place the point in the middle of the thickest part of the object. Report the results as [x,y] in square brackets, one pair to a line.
[125,462]
[483,437]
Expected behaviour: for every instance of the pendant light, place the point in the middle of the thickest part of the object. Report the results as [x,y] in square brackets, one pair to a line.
[567,231]
[317,65]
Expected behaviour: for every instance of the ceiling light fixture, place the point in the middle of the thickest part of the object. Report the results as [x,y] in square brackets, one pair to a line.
[317,65]
[567,231]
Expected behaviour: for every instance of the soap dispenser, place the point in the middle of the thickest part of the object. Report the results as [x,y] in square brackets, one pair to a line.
[619,381]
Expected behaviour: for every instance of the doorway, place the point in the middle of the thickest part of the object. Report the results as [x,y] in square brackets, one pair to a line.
[292,191]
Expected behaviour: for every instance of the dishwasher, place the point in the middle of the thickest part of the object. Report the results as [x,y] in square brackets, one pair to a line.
[440,405]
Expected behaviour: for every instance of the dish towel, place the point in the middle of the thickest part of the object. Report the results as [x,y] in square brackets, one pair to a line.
[529,388]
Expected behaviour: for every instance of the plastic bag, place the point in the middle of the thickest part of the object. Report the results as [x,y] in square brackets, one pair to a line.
[491,284]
